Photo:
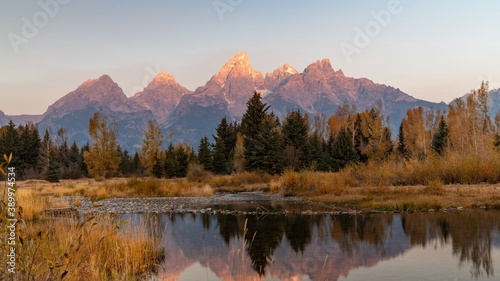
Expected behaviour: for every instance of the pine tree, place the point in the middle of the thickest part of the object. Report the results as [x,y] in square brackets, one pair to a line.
[10,143]
[169,163]
[157,169]
[440,137]
[402,150]
[44,153]
[295,133]
[316,154]
[269,148]
[251,125]
[29,147]
[343,151]
[54,172]
[74,170]
[220,164]
[182,155]
[205,154]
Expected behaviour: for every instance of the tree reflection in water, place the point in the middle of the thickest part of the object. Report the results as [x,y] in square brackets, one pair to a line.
[470,233]
[289,244]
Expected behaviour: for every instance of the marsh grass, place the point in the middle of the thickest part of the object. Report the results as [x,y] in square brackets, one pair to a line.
[95,249]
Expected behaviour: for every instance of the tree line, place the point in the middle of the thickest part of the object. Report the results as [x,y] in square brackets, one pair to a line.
[261,142]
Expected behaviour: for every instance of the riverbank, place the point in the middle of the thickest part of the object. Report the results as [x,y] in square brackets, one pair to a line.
[315,191]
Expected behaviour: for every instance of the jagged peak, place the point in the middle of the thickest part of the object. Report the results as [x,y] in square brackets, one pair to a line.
[238,64]
[323,65]
[289,69]
[103,79]
[163,77]
[240,56]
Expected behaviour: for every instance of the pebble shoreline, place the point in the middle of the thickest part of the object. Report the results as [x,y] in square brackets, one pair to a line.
[246,203]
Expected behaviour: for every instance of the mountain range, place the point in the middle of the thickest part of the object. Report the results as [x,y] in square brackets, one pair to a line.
[186,116]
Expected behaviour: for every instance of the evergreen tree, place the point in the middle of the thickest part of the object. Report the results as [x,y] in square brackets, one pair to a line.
[84,149]
[269,149]
[440,137]
[402,150]
[205,154]
[157,169]
[62,147]
[182,156]
[220,163]
[44,153]
[316,154]
[343,151]
[29,147]
[226,132]
[54,170]
[137,165]
[10,143]
[251,125]
[295,134]
[169,164]
[74,170]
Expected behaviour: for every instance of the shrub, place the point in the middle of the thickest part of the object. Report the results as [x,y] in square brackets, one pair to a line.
[196,173]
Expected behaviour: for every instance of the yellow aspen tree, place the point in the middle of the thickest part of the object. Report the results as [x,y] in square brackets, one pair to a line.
[103,157]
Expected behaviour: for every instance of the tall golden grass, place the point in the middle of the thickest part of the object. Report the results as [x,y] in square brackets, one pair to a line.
[94,248]
[434,182]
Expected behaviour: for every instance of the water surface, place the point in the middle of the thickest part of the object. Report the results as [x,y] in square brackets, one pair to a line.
[422,246]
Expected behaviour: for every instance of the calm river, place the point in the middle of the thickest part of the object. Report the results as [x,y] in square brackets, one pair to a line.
[421,246]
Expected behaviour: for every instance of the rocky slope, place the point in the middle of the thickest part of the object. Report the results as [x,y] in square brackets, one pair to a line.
[74,110]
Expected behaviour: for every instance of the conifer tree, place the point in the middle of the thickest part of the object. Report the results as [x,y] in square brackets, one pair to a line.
[402,150]
[75,160]
[169,163]
[54,171]
[269,148]
[205,154]
[440,137]
[10,143]
[295,133]
[44,154]
[343,151]
[157,169]
[251,125]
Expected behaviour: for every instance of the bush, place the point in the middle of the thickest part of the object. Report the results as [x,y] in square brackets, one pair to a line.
[196,173]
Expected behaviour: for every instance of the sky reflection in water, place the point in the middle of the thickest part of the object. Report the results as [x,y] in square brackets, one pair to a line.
[423,246]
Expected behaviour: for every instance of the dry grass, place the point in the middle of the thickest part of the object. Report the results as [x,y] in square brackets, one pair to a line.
[99,248]
[118,187]
[32,204]
[96,250]
[344,189]
[244,181]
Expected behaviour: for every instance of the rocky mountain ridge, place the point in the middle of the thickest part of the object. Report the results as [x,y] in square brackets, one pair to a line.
[186,116]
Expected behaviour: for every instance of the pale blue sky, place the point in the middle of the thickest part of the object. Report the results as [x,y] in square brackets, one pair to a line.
[434,50]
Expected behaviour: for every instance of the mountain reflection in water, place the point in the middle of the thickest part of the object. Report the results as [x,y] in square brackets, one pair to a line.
[437,246]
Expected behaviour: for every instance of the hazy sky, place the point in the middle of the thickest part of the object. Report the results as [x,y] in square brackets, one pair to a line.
[434,50]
